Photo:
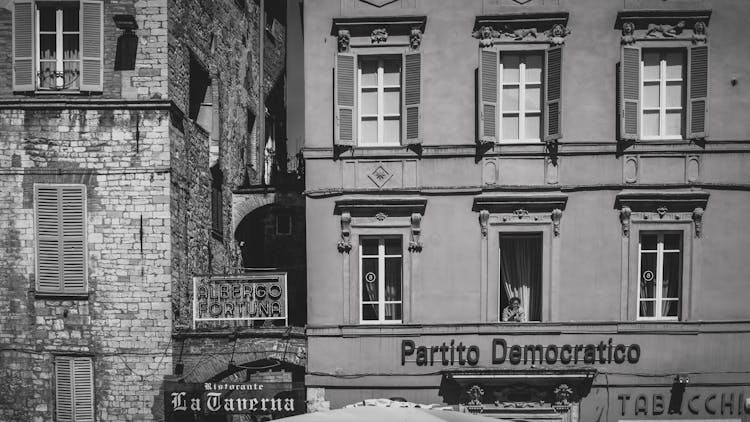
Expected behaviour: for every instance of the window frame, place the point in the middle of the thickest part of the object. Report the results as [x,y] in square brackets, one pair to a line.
[531,233]
[56,385]
[381,302]
[521,112]
[658,299]
[59,45]
[663,81]
[380,89]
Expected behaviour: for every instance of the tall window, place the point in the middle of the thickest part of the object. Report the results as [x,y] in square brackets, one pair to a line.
[521,273]
[379,101]
[381,262]
[660,274]
[58,59]
[74,389]
[217,203]
[663,87]
[521,97]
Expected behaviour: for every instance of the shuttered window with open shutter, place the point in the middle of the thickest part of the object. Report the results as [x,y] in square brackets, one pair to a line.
[412,108]
[92,43]
[61,238]
[630,87]
[697,108]
[553,94]
[23,46]
[345,94]
[487,95]
[74,389]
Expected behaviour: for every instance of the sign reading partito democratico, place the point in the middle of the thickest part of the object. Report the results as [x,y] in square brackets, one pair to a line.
[245,297]
[184,401]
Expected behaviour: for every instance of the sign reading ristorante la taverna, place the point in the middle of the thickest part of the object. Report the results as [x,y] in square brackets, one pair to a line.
[245,297]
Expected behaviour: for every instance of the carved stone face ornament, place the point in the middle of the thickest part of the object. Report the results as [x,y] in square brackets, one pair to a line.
[415,38]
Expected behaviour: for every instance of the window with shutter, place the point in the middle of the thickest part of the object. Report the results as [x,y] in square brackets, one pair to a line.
[60,239]
[346,77]
[92,45]
[488,65]
[23,46]
[379,100]
[74,389]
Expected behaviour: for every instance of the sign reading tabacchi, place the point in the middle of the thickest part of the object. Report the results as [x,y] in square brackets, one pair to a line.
[244,297]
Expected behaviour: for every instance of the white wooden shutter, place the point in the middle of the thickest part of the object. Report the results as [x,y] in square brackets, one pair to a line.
[553,94]
[487,107]
[24,78]
[92,45]
[61,238]
[412,106]
[64,389]
[630,88]
[345,99]
[697,108]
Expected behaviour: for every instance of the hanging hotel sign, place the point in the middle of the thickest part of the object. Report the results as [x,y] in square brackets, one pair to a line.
[246,297]
[275,399]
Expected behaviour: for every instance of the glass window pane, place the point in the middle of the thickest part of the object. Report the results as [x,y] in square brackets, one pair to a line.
[47,19]
[72,73]
[651,123]
[370,312]
[673,123]
[393,246]
[47,74]
[672,241]
[510,67]
[648,275]
[674,64]
[393,312]
[533,98]
[369,246]
[392,130]
[532,126]
[651,95]
[510,127]
[369,131]
[70,47]
[670,308]
[510,98]
[393,279]
[674,94]
[392,101]
[534,68]
[47,47]
[70,19]
[648,242]
[651,60]
[646,308]
[370,279]
[671,275]
[369,102]
[392,72]
[369,72]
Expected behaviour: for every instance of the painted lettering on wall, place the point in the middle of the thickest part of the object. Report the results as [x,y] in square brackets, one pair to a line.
[451,353]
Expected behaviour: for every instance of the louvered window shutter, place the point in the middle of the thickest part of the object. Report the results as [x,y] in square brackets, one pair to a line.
[553,94]
[697,109]
[92,43]
[61,237]
[23,46]
[630,88]
[74,389]
[412,108]
[487,107]
[345,99]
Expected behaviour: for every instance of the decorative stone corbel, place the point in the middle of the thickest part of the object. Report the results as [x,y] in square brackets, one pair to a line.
[521,213]
[556,216]
[484,218]
[698,220]
[345,244]
[474,405]
[378,35]
[628,33]
[699,33]
[625,220]
[486,35]
[415,245]
[662,211]
[563,394]
[344,39]
[557,34]
[415,39]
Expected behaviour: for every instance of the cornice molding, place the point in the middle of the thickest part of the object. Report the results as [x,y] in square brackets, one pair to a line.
[652,201]
[55,103]
[370,206]
[391,25]
[507,202]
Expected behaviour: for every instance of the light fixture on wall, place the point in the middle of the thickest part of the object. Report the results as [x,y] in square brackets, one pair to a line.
[127,43]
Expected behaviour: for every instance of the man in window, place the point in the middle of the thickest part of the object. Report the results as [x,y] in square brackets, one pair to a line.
[514,312]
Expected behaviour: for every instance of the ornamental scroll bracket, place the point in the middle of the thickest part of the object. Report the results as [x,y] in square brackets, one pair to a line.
[556,216]
[415,244]
[698,221]
[345,244]
[625,214]
[484,218]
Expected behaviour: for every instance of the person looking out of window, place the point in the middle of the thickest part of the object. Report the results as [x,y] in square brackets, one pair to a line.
[514,312]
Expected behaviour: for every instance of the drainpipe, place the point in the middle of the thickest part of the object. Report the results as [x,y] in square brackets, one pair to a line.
[261,97]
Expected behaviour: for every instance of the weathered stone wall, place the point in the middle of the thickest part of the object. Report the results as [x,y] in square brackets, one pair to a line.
[124,324]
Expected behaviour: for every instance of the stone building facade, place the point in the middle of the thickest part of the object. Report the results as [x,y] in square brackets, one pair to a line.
[124,175]
[586,157]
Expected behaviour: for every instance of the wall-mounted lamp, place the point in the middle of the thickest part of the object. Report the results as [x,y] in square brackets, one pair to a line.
[681,379]
[127,43]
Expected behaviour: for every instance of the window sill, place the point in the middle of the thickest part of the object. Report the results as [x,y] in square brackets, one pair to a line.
[61,296]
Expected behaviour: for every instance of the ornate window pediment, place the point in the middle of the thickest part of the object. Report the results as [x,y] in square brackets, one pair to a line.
[522,208]
[660,206]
